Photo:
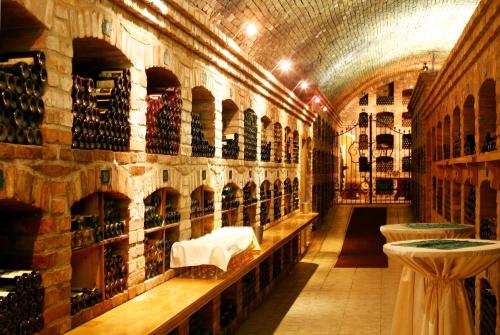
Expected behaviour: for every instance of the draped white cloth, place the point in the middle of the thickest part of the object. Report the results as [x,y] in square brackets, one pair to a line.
[446,309]
[409,308]
[215,248]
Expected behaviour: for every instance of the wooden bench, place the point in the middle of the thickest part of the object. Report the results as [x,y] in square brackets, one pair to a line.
[166,309]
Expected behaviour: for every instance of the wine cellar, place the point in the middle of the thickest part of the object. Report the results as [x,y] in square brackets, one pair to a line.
[458,139]
[166,165]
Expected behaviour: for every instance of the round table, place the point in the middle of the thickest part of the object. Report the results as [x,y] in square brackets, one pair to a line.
[410,298]
[445,264]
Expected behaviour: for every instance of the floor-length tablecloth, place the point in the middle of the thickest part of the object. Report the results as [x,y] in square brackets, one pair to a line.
[409,301]
[446,307]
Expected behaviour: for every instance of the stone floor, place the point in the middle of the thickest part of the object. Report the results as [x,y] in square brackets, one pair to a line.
[317,298]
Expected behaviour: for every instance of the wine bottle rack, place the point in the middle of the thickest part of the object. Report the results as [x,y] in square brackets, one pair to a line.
[406,120]
[249,204]
[250,141]
[470,205]
[385,119]
[23,79]
[363,142]
[363,120]
[296,147]
[115,273]
[82,298]
[470,145]
[385,141]
[288,145]
[265,152]
[230,148]
[363,101]
[446,151]
[440,197]
[296,194]
[406,138]
[384,164]
[229,198]
[456,147]
[101,110]
[202,211]
[16,288]
[487,228]
[265,274]
[406,164]
[228,306]
[287,185]
[153,254]
[163,122]
[277,200]
[447,201]
[200,145]
[488,318]
[384,186]
[249,288]
[278,144]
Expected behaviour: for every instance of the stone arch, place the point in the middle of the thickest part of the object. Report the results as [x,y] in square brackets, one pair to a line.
[487,115]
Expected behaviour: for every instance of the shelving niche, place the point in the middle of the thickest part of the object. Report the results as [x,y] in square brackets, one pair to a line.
[265,202]
[277,201]
[202,211]
[231,129]
[99,229]
[249,204]
[278,143]
[231,200]
[265,141]
[488,212]
[202,122]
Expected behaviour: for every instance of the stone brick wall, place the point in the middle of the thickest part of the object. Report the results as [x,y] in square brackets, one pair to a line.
[51,178]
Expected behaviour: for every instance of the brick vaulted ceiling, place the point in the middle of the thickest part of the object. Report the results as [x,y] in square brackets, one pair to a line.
[339,44]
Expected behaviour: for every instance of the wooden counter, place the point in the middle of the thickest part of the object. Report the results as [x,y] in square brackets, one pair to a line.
[166,306]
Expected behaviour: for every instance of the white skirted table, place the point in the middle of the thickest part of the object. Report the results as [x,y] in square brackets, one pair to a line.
[411,286]
[445,264]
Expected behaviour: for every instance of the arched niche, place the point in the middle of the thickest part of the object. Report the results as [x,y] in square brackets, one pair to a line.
[278,143]
[288,145]
[296,193]
[203,122]
[288,200]
[249,203]
[99,228]
[265,202]
[230,203]
[487,116]
[439,141]
[296,147]
[266,136]
[469,204]
[250,133]
[487,211]
[163,116]
[469,126]
[446,137]
[457,201]
[20,29]
[277,195]
[101,96]
[455,133]
[202,211]
[230,129]
[447,200]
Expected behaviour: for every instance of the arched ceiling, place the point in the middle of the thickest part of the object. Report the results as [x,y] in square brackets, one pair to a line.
[337,43]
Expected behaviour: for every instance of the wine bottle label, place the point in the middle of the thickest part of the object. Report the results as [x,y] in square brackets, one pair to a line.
[108,83]
[111,74]
[13,273]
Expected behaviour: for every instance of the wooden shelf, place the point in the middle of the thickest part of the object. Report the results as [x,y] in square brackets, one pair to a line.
[81,249]
[166,306]
[202,217]
[115,239]
[160,228]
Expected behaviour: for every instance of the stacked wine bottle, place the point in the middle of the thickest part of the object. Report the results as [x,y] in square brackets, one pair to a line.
[171,214]
[153,253]
[487,228]
[163,121]
[85,230]
[197,326]
[264,214]
[115,273]
[152,216]
[23,79]
[200,146]
[288,150]
[250,124]
[248,197]
[469,145]
[230,148]
[100,113]
[21,302]
[265,151]
[277,145]
[82,298]
[470,207]
[490,142]
[296,150]
[114,224]
[229,198]
[196,210]
[295,194]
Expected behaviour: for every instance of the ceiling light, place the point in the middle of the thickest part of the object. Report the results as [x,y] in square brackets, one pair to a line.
[285,65]
[317,99]
[325,109]
[304,85]
[251,29]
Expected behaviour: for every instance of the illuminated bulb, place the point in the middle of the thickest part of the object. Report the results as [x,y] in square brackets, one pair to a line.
[325,109]
[304,85]
[285,65]
[317,100]
[251,29]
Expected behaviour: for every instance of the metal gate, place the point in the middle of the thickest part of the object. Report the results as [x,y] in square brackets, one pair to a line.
[375,162]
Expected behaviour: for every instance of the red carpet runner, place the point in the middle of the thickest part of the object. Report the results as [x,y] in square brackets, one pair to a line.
[363,241]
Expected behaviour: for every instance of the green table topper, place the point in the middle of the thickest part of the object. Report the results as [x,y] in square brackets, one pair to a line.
[436,225]
[443,244]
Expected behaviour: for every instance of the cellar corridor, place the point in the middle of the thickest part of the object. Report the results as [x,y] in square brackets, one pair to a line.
[317,298]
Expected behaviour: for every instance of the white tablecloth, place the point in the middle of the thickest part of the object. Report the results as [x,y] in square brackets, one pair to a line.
[446,307]
[215,248]
[409,305]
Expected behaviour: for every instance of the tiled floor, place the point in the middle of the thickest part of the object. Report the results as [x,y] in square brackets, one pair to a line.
[317,298]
